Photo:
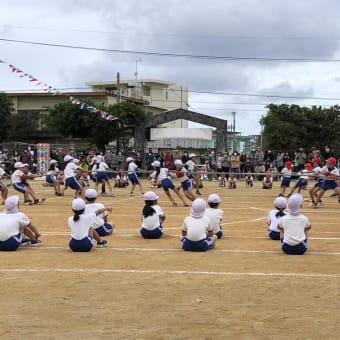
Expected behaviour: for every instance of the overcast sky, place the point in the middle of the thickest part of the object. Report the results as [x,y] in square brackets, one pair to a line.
[269,29]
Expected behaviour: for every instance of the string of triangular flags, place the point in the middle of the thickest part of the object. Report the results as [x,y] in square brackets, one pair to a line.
[55,92]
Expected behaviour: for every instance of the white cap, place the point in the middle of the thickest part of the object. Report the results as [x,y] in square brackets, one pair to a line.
[53,161]
[280,202]
[214,198]
[78,204]
[18,165]
[90,193]
[192,155]
[294,203]
[178,162]
[129,159]
[11,204]
[198,208]
[99,158]
[150,196]
[156,164]
[68,158]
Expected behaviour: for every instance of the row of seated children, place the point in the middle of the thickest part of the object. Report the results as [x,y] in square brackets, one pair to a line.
[200,229]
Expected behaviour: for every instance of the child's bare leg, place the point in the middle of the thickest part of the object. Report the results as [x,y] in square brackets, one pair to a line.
[180,197]
[33,229]
[167,192]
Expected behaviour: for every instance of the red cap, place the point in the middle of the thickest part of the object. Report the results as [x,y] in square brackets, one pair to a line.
[308,166]
[316,160]
[331,160]
[288,164]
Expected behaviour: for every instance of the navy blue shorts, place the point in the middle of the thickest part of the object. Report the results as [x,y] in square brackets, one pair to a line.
[83,245]
[104,230]
[186,185]
[285,182]
[72,183]
[20,186]
[202,245]
[274,235]
[298,249]
[11,244]
[167,184]
[51,179]
[156,233]
[102,176]
[328,184]
[133,178]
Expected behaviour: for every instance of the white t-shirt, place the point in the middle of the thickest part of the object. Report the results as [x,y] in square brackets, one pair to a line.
[80,228]
[10,224]
[163,173]
[152,222]
[196,228]
[102,167]
[70,169]
[2,172]
[132,167]
[92,208]
[16,176]
[294,228]
[216,216]
[273,221]
[191,165]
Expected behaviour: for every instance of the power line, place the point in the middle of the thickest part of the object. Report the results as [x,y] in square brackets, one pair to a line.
[175,55]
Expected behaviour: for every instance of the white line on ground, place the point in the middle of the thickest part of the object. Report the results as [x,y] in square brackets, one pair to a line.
[236,251]
[165,272]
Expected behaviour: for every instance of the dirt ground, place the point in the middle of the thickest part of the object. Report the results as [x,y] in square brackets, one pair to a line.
[245,288]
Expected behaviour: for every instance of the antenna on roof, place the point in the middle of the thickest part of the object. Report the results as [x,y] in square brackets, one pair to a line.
[136,72]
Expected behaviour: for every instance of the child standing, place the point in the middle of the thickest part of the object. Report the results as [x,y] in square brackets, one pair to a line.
[274,216]
[181,175]
[286,177]
[294,228]
[162,175]
[197,230]
[100,224]
[70,169]
[152,217]
[53,177]
[215,214]
[302,181]
[19,180]
[134,179]
[82,233]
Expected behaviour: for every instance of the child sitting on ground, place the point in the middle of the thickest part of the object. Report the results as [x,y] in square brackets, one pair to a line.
[197,230]
[232,181]
[215,214]
[152,217]
[100,224]
[221,180]
[249,179]
[274,216]
[294,227]
[267,182]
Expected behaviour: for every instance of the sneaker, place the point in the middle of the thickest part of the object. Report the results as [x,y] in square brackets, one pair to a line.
[320,204]
[312,205]
[101,244]
[25,242]
[35,243]
[334,195]
[104,194]
[39,201]
[28,202]
[58,193]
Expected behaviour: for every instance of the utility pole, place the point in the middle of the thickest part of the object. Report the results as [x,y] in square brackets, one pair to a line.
[118,88]
[234,131]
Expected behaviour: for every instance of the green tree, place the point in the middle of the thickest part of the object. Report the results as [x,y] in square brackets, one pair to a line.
[288,127]
[6,109]
[71,121]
